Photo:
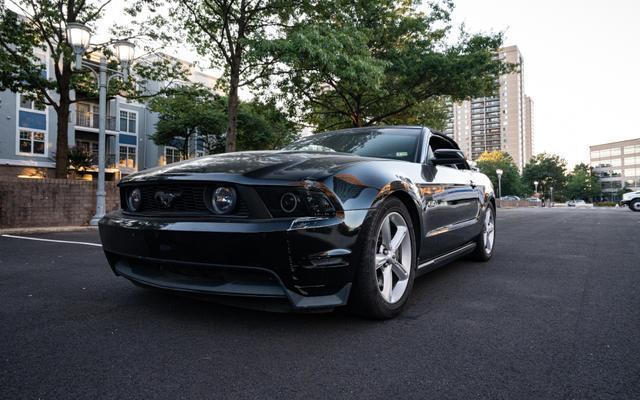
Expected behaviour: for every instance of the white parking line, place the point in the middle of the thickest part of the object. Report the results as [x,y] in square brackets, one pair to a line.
[51,240]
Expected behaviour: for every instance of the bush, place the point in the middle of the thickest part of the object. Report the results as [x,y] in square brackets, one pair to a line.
[80,159]
[605,204]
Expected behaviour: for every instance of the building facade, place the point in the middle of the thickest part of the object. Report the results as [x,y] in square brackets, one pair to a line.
[501,122]
[617,166]
[28,132]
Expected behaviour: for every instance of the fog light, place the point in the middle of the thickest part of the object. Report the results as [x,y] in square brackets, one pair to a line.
[223,200]
[135,200]
[288,202]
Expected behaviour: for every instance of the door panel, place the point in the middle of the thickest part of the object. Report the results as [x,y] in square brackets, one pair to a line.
[451,209]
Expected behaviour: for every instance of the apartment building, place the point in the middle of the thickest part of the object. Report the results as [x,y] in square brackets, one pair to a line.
[617,165]
[28,132]
[501,122]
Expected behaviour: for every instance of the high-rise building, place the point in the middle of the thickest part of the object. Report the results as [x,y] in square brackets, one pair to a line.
[501,122]
[617,166]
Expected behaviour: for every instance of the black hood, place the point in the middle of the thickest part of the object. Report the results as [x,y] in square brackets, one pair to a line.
[280,165]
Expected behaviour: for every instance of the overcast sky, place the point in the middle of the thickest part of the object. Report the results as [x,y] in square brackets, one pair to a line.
[581,65]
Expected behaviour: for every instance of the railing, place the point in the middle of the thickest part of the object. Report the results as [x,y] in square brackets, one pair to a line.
[90,120]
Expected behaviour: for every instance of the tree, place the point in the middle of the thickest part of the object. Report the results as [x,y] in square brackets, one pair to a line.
[41,25]
[582,184]
[360,63]
[185,112]
[549,170]
[489,162]
[231,34]
[191,110]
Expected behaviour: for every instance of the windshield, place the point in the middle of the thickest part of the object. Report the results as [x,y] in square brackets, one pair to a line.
[394,143]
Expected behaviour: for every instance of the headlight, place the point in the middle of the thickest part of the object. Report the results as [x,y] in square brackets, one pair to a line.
[296,202]
[289,202]
[223,200]
[134,200]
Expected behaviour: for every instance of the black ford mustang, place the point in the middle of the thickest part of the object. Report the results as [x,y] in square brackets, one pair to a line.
[346,217]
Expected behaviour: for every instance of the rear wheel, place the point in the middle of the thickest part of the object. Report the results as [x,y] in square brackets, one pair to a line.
[486,239]
[387,263]
[634,205]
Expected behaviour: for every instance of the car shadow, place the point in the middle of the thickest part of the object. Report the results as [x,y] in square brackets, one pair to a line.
[209,311]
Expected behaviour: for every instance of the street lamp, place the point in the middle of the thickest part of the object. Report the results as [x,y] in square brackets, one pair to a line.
[79,37]
[499,173]
[535,185]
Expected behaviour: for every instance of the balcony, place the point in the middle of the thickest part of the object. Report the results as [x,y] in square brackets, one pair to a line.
[90,120]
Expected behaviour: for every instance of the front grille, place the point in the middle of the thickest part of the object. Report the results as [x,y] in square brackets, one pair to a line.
[190,199]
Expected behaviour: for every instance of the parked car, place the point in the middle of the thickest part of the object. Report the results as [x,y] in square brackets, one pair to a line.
[632,200]
[534,200]
[346,217]
[512,198]
[579,203]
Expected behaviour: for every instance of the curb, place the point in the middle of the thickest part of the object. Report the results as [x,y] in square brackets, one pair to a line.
[47,229]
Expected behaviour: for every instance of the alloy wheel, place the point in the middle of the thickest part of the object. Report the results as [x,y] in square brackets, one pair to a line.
[393,257]
[488,231]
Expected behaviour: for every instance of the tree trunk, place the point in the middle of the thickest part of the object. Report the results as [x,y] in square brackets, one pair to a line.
[232,109]
[62,145]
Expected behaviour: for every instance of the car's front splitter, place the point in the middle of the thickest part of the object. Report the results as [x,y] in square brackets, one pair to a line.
[308,263]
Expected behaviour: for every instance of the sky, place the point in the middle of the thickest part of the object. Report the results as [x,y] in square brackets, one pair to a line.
[581,65]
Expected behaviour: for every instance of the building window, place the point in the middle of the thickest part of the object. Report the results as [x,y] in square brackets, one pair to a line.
[127,156]
[32,142]
[128,121]
[171,155]
[631,149]
[28,104]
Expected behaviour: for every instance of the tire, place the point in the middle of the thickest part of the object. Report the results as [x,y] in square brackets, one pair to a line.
[634,205]
[384,278]
[485,242]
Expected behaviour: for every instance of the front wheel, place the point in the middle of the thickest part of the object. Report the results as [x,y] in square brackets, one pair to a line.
[387,263]
[634,205]
[486,239]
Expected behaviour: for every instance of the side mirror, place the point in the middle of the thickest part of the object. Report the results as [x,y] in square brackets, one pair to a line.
[448,157]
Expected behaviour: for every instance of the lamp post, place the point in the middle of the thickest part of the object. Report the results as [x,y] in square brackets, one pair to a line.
[551,196]
[535,185]
[499,174]
[79,37]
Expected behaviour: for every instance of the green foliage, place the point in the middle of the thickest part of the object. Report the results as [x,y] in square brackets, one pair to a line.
[232,35]
[582,184]
[489,162]
[80,159]
[550,171]
[41,26]
[262,126]
[190,110]
[605,204]
[359,63]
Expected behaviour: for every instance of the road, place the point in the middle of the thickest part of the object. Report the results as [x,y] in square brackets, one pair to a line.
[554,315]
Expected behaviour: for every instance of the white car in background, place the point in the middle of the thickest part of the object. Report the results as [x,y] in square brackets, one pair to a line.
[632,200]
[579,204]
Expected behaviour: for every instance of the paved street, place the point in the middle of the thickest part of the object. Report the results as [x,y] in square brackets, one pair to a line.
[555,315]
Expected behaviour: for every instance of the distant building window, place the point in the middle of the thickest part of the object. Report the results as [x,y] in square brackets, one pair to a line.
[27,103]
[631,149]
[32,142]
[171,155]
[127,156]
[128,121]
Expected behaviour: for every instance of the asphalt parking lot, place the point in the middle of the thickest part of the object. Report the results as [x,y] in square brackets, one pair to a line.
[554,315]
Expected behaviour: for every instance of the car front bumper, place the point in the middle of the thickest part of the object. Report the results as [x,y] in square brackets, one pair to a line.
[305,263]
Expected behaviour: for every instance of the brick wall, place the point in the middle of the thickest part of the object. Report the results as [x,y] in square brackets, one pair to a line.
[28,203]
